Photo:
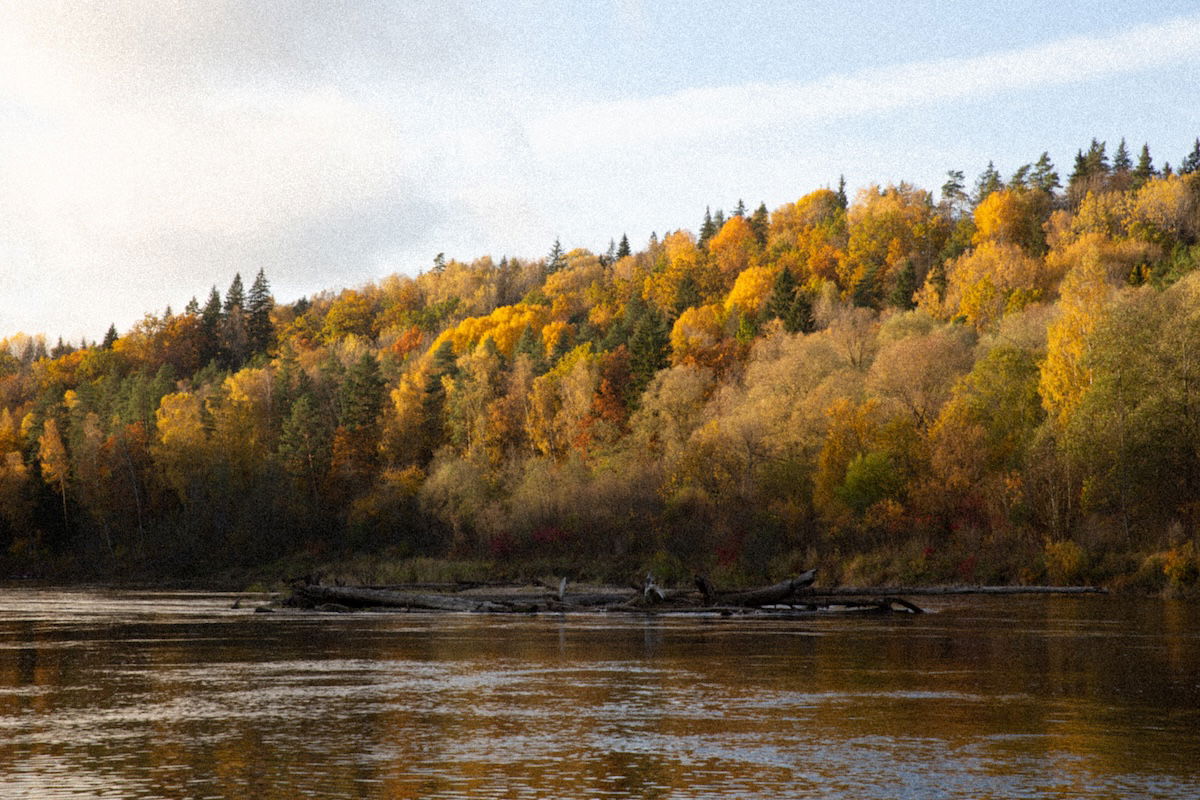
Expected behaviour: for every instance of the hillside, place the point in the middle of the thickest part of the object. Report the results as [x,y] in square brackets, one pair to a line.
[997,383]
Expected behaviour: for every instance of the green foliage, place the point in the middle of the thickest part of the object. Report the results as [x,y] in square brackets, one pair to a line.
[818,418]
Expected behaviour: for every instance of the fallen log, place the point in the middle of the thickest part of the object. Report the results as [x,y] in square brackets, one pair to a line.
[765,596]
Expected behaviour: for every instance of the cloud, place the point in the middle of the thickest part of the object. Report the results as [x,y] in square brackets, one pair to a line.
[150,149]
[707,113]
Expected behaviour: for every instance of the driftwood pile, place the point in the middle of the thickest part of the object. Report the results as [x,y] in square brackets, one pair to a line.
[790,597]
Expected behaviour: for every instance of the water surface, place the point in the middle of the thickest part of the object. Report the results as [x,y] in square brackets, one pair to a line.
[176,695]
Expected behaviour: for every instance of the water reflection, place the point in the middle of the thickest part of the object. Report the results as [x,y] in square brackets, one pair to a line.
[176,695]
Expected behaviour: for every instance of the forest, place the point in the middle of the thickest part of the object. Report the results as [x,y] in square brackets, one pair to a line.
[994,382]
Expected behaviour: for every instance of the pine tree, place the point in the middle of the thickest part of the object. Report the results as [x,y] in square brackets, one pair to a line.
[110,337]
[989,181]
[1044,176]
[439,263]
[740,209]
[623,248]
[258,323]
[842,201]
[718,221]
[954,194]
[192,309]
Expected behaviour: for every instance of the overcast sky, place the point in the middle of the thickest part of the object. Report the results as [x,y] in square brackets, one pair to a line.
[150,149]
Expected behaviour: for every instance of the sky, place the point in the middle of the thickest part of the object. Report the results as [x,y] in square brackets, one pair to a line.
[151,149]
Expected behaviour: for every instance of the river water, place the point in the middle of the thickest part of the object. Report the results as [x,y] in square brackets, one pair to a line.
[176,695]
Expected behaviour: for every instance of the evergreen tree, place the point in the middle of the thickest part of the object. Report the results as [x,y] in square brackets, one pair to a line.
[708,227]
[192,309]
[362,394]
[623,248]
[1020,178]
[687,294]
[555,260]
[760,224]
[1191,162]
[649,346]
[235,297]
[989,181]
[842,201]
[1144,170]
[529,344]
[1096,160]
[439,263]
[740,209]
[790,304]
[304,444]
[906,286]
[258,322]
[954,194]
[718,221]
[1044,176]
[1121,161]
[443,365]
[210,327]
[110,337]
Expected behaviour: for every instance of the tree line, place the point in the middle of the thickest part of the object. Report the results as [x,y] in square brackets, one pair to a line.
[997,382]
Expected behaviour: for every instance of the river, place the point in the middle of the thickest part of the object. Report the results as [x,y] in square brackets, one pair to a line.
[176,695]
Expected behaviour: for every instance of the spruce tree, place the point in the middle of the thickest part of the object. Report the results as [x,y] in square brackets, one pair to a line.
[740,209]
[362,394]
[555,260]
[623,248]
[192,309]
[649,346]
[842,201]
[258,322]
[210,327]
[707,227]
[1121,161]
[760,224]
[110,337]
[235,297]
[1191,162]
[1144,170]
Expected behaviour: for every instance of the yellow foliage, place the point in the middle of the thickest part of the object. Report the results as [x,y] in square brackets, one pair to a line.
[809,236]
[1166,208]
[1012,216]
[555,333]
[887,228]
[682,260]
[981,285]
[734,247]
[751,289]
[1085,297]
[505,325]
[695,330]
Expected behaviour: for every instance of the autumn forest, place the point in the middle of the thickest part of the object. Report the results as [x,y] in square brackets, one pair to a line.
[994,381]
